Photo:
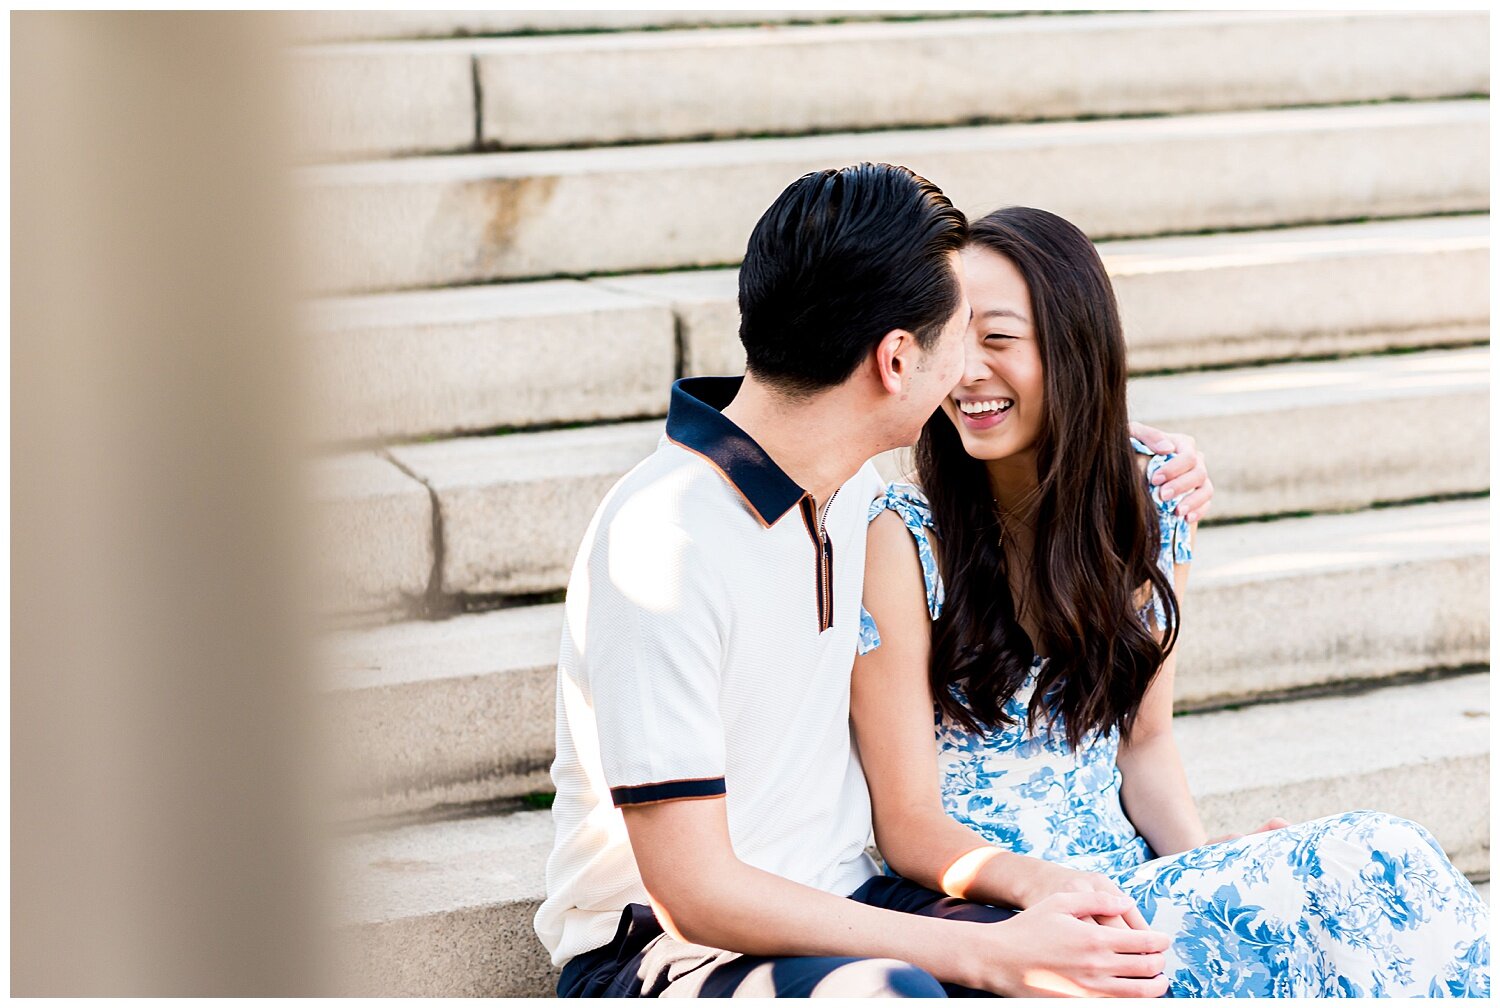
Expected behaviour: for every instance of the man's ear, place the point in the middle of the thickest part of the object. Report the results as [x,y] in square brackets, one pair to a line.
[894,359]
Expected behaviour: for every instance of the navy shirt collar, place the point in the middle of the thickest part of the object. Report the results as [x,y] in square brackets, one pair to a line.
[695,421]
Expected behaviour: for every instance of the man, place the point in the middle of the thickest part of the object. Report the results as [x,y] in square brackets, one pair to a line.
[711,816]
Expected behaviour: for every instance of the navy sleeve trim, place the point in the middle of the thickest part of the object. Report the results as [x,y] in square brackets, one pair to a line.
[644,794]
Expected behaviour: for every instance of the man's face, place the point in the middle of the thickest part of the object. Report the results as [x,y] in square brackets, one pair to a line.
[940,367]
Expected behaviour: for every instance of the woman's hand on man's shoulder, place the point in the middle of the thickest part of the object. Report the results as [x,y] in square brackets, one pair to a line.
[1183,475]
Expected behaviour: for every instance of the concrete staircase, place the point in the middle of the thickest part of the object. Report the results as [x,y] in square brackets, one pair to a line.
[527,224]
[444,909]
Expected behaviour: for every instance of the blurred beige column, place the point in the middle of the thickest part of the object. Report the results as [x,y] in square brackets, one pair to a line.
[160,766]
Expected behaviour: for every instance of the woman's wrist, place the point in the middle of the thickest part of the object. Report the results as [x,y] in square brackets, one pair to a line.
[1179,846]
[1010,879]
[1184,836]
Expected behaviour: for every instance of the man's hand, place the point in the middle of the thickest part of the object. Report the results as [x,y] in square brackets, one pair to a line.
[1185,475]
[1055,949]
[1273,823]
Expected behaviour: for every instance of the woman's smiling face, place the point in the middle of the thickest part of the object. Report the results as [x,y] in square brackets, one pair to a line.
[997,404]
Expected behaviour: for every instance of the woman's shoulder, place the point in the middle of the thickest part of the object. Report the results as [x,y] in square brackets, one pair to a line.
[907,500]
[889,548]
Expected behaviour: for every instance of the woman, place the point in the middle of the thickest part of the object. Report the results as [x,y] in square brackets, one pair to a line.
[1046,643]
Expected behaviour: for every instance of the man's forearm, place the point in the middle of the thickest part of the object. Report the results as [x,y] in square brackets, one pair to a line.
[706,895]
[1054,947]
[759,913]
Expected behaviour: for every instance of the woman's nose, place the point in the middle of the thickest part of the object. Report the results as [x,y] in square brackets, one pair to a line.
[976,368]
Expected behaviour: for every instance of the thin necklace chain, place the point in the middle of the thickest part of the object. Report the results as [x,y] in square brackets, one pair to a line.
[1000,515]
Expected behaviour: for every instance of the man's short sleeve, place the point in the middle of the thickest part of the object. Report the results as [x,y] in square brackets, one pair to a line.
[651,651]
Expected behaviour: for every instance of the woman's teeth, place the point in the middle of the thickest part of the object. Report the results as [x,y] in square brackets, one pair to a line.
[987,406]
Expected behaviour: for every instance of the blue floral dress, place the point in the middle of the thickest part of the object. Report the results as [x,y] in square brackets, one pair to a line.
[1359,904]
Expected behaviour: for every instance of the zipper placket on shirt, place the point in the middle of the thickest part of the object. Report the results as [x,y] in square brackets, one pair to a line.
[824,578]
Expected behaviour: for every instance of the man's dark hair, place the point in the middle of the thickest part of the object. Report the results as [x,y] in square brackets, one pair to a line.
[840,259]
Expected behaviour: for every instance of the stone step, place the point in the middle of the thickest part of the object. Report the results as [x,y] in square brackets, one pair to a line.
[1219,299]
[445,909]
[384,98]
[1333,600]
[377,99]
[557,91]
[1280,439]
[373,533]
[322,26]
[422,363]
[1328,436]
[428,714]
[426,222]
[458,711]
[513,508]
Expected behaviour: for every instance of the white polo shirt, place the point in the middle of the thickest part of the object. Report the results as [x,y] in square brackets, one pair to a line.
[709,634]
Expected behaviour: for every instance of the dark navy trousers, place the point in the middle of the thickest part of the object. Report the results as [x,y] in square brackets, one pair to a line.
[644,961]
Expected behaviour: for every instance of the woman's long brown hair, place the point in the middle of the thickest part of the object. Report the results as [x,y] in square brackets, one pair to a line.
[1096,527]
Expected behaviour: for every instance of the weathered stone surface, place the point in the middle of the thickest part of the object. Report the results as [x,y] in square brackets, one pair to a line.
[706,306]
[446,908]
[1299,292]
[438,221]
[552,91]
[374,534]
[1211,300]
[325,25]
[1334,599]
[366,100]
[515,507]
[454,361]
[430,713]
[1337,435]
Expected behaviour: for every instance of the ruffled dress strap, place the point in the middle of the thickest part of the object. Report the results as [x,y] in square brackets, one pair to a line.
[1175,545]
[916,514]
